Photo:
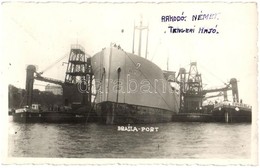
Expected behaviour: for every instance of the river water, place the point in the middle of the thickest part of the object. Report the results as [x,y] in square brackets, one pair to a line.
[93,140]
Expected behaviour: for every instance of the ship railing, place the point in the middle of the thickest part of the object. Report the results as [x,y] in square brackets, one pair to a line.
[233,104]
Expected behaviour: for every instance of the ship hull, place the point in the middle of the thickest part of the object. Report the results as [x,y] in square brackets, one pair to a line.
[131,89]
[232,112]
[193,117]
[49,117]
[121,113]
[230,115]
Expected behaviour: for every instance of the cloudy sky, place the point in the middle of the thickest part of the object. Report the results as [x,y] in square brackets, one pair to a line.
[41,33]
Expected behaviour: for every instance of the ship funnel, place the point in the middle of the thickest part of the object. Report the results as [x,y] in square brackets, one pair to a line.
[233,83]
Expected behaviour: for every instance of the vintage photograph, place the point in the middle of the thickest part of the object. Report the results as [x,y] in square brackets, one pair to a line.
[173,81]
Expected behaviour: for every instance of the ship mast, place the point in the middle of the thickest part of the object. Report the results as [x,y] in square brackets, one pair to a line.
[168,63]
[133,49]
[140,38]
[140,28]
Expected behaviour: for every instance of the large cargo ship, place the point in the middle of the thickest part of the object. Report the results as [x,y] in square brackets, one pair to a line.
[132,89]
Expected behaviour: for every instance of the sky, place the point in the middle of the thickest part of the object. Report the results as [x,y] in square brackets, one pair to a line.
[41,33]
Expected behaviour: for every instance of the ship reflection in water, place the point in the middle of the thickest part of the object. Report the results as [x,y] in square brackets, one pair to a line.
[92,140]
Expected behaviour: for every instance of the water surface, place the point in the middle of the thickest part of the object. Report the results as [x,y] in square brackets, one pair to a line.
[93,140]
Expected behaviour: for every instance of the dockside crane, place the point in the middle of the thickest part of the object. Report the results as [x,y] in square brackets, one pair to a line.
[78,79]
[213,96]
[192,93]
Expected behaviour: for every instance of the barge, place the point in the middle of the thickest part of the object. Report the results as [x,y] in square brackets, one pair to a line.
[34,114]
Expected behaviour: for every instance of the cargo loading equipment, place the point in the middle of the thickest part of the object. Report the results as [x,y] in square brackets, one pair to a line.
[77,92]
[192,96]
